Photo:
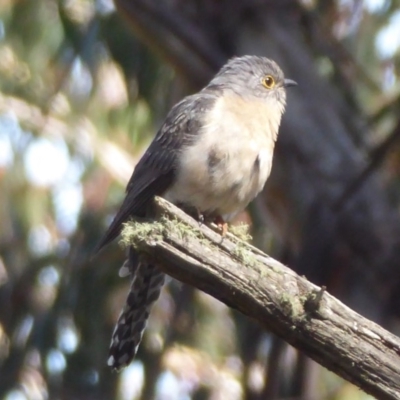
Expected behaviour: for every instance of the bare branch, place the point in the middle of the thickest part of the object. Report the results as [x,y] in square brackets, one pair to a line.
[286,304]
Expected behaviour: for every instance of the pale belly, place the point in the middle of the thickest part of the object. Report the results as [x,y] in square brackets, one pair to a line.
[224,180]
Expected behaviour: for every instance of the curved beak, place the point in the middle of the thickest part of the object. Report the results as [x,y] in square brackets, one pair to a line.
[289,82]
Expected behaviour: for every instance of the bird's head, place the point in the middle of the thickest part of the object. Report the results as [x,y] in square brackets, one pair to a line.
[253,77]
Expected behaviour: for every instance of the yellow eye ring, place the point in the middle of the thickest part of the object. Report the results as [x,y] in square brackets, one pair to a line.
[268,81]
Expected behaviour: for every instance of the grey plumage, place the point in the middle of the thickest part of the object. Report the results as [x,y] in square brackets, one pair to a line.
[213,153]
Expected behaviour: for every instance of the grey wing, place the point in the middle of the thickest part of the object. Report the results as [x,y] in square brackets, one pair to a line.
[156,170]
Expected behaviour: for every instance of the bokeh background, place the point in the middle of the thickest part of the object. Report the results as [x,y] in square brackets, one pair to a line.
[84,85]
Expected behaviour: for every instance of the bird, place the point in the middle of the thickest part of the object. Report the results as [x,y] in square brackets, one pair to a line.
[213,153]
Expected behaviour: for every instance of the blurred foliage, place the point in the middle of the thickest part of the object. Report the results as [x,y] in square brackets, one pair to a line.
[80,97]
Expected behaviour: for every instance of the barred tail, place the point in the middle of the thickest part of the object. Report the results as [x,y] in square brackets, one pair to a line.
[147,282]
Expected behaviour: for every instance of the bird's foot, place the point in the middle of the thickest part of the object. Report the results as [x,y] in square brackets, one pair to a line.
[194,212]
[200,217]
[222,225]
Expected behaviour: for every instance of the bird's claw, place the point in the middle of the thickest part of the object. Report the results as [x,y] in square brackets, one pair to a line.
[222,225]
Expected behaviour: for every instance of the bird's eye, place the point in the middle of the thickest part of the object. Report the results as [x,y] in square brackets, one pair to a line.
[268,81]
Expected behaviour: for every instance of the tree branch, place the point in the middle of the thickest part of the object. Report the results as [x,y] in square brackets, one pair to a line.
[286,304]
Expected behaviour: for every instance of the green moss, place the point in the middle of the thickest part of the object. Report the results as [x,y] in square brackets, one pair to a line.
[291,306]
[180,228]
[244,255]
[133,232]
[136,231]
[240,236]
[264,273]
[241,231]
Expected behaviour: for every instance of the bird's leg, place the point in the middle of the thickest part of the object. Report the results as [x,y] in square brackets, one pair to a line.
[203,218]
[194,212]
[222,225]
[200,217]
